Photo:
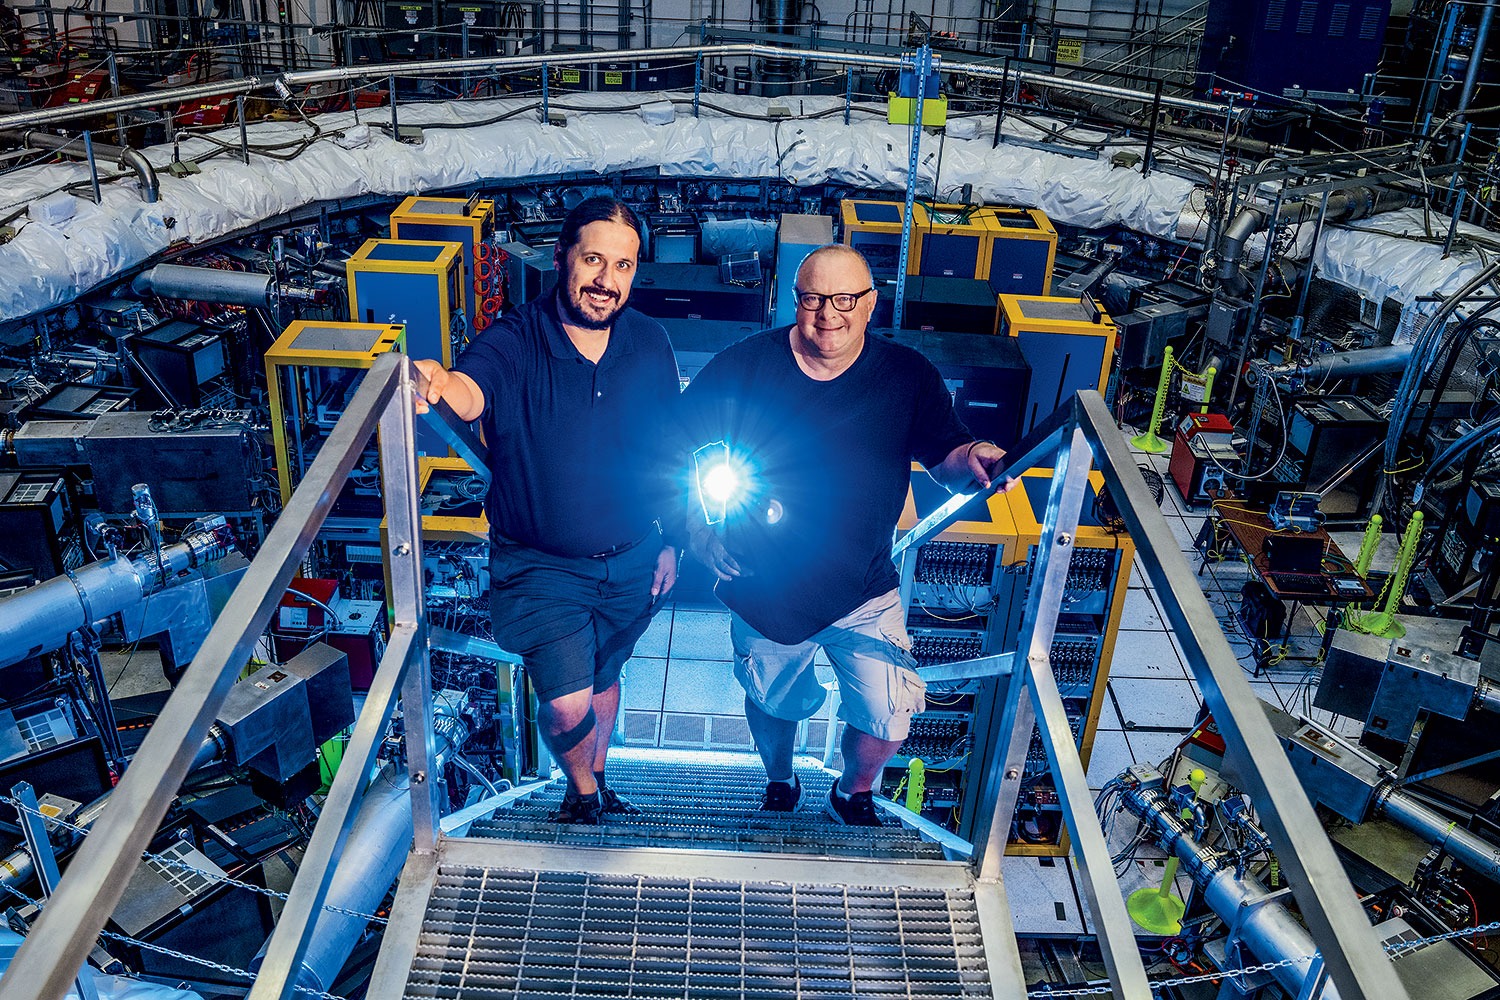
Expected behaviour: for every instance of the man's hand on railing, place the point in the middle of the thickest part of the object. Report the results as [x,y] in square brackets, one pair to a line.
[437,384]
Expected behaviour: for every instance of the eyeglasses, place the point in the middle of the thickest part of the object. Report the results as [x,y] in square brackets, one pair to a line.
[842,301]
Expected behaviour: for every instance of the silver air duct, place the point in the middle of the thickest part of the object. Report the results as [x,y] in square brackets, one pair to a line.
[206,284]
[122,156]
[1267,928]
[40,619]
[1343,206]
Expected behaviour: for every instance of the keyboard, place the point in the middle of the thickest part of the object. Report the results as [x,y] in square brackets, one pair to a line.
[1300,583]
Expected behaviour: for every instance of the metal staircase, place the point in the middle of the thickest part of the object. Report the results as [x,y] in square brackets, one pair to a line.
[806,912]
[789,905]
[706,801]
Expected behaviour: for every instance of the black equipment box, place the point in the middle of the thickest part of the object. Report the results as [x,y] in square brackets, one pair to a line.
[78,400]
[479,17]
[1331,431]
[987,375]
[695,342]
[411,27]
[674,238]
[694,291]
[182,356]
[34,512]
[208,468]
[955,305]
[1262,615]
[1154,316]
[529,273]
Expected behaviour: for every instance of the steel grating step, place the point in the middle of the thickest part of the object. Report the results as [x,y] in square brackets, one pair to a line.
[501,934]
[712,804]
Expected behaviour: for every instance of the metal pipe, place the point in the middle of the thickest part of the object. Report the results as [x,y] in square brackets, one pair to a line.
[123,156]
[40,619]
[1266,927]
[1476,59]
[495,64]
[206,284]
[371,860]
[1476,853]
[1347,364]
[1342,206]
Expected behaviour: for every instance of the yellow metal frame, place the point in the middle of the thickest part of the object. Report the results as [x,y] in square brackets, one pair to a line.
[1009,319]
[1002,531]
[283,354]
[441,268]
[853,224]
[975,227]
[479,220]
[1088,536]
[994,217]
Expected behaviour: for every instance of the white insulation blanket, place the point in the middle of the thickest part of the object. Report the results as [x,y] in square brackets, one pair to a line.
[50,263]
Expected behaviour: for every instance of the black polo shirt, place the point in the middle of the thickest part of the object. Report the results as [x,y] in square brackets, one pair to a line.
[579,451]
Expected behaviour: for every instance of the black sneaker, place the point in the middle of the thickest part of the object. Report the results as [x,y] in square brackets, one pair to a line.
[582,811]
[781,796]
[857,810]
[616,803]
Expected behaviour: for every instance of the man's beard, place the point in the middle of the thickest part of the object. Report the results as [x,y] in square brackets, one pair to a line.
[573,314]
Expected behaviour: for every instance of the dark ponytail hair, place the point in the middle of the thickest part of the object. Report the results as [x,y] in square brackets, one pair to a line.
[602,208]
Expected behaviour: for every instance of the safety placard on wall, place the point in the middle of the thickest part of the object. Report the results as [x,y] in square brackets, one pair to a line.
[1070,50]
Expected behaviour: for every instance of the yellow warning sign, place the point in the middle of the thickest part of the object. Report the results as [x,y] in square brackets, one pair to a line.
[1070,50]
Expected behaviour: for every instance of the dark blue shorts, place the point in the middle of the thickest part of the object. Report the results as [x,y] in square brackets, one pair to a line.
[573,621]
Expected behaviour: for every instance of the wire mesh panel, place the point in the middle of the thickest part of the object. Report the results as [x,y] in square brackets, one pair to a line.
[495,933]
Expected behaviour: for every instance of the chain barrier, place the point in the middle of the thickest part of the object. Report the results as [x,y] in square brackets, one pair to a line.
[1395,948]
[179,863]
[182,956]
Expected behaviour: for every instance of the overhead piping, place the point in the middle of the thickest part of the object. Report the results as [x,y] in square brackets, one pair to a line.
[122,155]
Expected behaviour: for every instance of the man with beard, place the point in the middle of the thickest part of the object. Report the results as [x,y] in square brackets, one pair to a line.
[576,394]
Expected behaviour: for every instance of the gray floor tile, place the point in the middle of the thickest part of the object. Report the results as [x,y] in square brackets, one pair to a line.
[701,635]
[642,683]
[703,686]
[1152,748]
[1146,655]
[1155,704]
[658,636]
[1110,756]
[1140,613]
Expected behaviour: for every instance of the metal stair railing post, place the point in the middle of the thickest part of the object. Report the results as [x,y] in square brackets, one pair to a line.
[1032,701]
[1357,965]
[49,959]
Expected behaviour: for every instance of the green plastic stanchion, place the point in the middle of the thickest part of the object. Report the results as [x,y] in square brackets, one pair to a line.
[1149,441]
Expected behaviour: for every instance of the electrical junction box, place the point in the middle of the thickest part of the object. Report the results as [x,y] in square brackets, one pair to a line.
[1423,673]
[267,721]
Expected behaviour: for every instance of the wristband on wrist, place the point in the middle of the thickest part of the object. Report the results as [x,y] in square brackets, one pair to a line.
[970,450]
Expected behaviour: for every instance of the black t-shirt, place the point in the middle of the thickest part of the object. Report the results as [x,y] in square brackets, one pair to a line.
[580,452]
[835,455]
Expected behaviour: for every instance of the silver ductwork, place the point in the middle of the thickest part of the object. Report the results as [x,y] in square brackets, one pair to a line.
[123,156]
[206,284]
[1343,206]
[40,619]
[1264,926]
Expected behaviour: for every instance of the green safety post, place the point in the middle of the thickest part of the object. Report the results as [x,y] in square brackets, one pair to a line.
[1367,547]
[1149,441]
[1208,387]
[916,784]
[1158,911]
[1383,623]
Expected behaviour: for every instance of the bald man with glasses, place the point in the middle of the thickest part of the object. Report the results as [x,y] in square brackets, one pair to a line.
[821,423]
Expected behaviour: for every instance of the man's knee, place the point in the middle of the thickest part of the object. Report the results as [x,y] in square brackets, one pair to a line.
[568,720]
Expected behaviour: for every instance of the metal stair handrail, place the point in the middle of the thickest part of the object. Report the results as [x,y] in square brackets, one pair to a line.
[1079,435]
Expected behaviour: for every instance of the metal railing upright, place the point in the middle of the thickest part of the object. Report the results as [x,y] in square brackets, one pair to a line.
[1081,435]
[48,961]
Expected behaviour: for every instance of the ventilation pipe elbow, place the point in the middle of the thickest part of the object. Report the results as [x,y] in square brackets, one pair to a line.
[123,156]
